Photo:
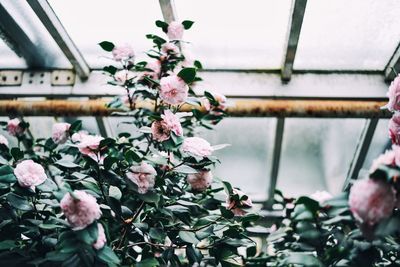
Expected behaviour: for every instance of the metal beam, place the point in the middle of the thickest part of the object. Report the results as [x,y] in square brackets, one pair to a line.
[105,129]
[168,10]
[296,21]
[393,67]
[53,25]
[19,41]
[361,151]
[241,85]
[276,156]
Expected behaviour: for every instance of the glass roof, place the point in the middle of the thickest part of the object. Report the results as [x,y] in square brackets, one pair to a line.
[9,59]
[122,21]
[346,35]
[226,35]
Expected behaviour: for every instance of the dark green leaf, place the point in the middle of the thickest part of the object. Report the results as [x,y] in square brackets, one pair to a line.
[187,74]
[188,237]
[107,46]
[7,174]
[18,202]
[107,255]
[187,24]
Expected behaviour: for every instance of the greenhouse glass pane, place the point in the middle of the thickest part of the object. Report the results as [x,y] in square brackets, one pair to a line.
[237,34]
[342,34]
[316,154]
[44,44]
[120,21]
[246,163]
[8,58]
[380,143]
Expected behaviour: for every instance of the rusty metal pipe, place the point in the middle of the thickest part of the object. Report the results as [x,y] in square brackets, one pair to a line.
[242,108]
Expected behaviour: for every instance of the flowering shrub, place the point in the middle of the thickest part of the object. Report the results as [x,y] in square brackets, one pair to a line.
[144,198]
[356,228]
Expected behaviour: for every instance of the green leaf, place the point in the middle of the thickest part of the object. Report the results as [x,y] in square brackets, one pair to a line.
[193,254]
[187,24]
[150,262]
[107,255]
[188,237]
[7,174]
[107,46]
[114,192]
[185,169]
[66,164]
[163,25]
[110,69]
[187,74]
[302,259]
[157,234]
[17,153]
[309,203]
[75,126]
[150,197]
[18,202]
[7,244]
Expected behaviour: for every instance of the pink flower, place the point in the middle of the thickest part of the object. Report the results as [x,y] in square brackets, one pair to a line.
[101,237]
[124,75]
[60,132]
[175,30]
[78,136]
[396,150]
[89,144]
[173,90]
[29,174]
[200,181]
[220,98]
[371,200]
[236,205]
[14,128]
[81,209]
[197,147]
[123,52]
[3,140]
[161,130]
[155,66]
[388,158]
[321,196]
[394,129]
[170,48]
[172,122]
[143,176]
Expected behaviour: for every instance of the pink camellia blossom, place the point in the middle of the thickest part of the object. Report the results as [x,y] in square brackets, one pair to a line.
[81,209]
[396,150]
[89,144]
[101,237]
[170,48]
[3,140]
[175,30]
[394,129]
[321,196]
[173,90]
[78,136]
[124,75]
[237,206]
[394,95]
[30,174]
[143,176]
[161,130]
[155,67]
[371,200]
[60,132]
[172,122]
[200,181]
[14,128]
[388,159]
[197,147]
[123,52]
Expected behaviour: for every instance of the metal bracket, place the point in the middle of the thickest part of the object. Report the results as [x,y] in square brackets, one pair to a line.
[62,78]
[10,77]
